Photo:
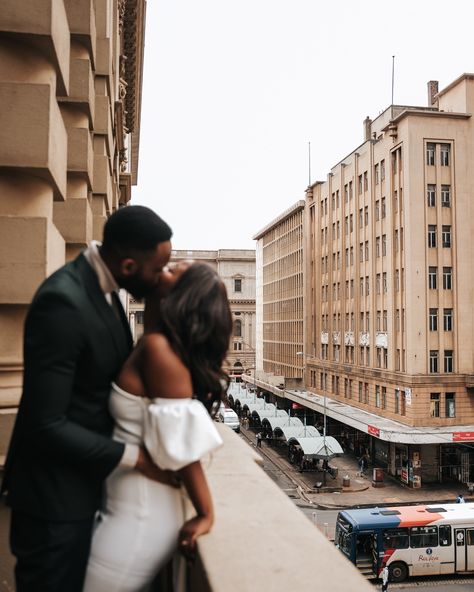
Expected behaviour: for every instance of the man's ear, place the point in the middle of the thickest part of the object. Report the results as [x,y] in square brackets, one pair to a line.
[128,267]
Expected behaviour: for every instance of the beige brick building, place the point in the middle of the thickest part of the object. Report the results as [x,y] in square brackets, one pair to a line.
[237,270]
[280,295]
[70,90]
[388,347]
[390,282]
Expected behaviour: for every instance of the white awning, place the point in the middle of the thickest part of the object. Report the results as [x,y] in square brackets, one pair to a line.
[320,447]
[296,431]
[370,423]
[265,413]
[285,422]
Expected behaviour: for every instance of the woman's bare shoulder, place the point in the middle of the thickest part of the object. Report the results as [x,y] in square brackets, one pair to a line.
[165,373]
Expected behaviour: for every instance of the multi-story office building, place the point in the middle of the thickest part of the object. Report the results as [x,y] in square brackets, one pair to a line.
[237,270]
[280,296]
[390,277]
[70,90]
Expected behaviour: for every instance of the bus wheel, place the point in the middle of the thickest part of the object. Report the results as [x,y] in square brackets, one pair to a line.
[398,572]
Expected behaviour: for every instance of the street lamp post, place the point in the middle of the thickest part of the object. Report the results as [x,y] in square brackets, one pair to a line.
[300,353]
[305,356]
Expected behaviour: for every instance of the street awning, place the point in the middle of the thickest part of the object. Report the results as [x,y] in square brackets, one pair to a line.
[284,422]
[245,400]
[258,404]
[296,431]
[322,447]
[267,413]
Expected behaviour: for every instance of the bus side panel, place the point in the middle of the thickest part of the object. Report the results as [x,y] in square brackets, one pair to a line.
[432,561]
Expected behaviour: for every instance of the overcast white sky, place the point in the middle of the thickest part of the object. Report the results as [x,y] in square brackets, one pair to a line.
[235,89]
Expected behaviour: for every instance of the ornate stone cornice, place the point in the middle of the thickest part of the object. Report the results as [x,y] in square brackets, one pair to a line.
[132,24]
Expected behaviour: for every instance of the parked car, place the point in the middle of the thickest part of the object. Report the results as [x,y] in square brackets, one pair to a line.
[229,417]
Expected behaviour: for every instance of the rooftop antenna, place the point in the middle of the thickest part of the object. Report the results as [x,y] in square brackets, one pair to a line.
[393,76]
[309,164]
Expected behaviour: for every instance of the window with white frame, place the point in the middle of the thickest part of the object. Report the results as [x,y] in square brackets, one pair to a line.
[430,153]
[237,285]
[450,404]
[447,278]
[431,235]
[433,319]
[431,196]
[434,358]
[448,361]
[434,404]
[433,278]
[445,154]
[448,319]
[446,236]
[446,196]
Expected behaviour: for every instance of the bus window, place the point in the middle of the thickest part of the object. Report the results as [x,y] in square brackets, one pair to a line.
[423,536]
[395,538]
[470,536]
[445,536]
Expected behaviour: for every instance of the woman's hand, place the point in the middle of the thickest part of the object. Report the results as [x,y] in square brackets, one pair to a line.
[189,533]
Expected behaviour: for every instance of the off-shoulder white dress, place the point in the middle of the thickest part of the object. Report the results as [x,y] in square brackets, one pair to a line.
[138,531]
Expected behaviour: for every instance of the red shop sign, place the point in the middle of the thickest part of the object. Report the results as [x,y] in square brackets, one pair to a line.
[463,436]
[373,431]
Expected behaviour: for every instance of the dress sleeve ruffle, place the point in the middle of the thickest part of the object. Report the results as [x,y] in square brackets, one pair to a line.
[179,432]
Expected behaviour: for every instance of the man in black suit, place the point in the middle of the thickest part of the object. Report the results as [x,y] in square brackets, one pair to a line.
[76,341]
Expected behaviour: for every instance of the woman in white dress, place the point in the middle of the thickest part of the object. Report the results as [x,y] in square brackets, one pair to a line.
[162,399]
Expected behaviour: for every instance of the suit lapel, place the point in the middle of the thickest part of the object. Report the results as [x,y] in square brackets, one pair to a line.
[118,328]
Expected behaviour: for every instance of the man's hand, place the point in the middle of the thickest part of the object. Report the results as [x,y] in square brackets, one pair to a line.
[148,468]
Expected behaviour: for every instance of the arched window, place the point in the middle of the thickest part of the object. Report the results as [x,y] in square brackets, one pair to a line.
[237,328]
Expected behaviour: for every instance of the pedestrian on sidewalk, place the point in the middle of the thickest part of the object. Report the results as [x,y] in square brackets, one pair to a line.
[385,574]
[259,440]
[460,499]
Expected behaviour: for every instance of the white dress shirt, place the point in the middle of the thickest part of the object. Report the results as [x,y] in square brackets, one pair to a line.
[108,285]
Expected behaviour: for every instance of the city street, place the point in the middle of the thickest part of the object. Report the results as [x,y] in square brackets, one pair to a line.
[325,520]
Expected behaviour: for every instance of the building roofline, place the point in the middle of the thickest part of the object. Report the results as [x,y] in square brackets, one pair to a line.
[466,75]
[296,207]
[415,112]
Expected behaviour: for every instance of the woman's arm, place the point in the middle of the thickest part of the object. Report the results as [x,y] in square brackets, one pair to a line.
[196,485]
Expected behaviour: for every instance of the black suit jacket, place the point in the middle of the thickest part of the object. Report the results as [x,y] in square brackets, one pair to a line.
[61,450]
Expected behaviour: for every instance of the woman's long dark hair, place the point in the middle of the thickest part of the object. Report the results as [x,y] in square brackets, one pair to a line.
[196,319]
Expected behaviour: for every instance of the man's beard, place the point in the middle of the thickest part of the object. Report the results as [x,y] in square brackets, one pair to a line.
[137,287]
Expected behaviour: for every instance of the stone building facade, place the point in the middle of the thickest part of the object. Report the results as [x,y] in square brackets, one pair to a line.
[70,90]
[237,270]
[280,291]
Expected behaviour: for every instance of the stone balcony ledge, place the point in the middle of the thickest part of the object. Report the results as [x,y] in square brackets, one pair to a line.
[260,540]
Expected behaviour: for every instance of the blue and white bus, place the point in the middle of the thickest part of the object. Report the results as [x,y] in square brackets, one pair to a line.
[413,540]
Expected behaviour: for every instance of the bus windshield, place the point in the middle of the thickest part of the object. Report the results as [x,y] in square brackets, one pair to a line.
[343,537]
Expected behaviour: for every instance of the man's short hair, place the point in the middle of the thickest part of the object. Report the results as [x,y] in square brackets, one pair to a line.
[134,228]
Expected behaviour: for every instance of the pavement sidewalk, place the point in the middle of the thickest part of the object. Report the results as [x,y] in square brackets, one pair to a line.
[361,493]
